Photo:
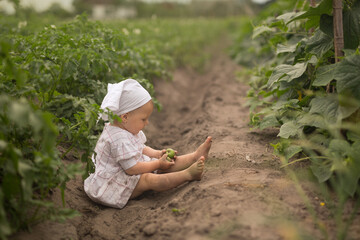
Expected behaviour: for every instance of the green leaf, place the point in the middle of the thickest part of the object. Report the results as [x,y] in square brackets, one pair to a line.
[348,170]
[321,171]
[348,106]
[325,7]
[285,72]
[312,23]
[288,129]
[355,151]
[260,30]
[349,177]
[290,151]
[314,120]
[269,121]
[324,75]
[319,44]
[326,107]
[285,49]
[275,76]
[326,25]
[351,23]
[5,228]
[84,62]
[294,71]
[69,69]
[333,108]
[289,16]
[319,140]
[11,185]
[353,136]
[281,104]
[96,66]
[347,75]
[19,112]
[339,148]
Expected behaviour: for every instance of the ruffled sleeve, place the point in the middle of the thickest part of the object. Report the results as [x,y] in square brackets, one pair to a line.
[142,137]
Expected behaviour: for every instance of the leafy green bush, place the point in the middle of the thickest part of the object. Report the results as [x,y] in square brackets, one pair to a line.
[65,70]
[290,91]
[30,166]
[297,87]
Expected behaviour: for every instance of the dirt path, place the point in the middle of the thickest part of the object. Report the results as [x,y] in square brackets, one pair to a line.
[243,195]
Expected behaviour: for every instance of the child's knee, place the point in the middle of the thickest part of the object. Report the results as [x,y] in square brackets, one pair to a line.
[148,179]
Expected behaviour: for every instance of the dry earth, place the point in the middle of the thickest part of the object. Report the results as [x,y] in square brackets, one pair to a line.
[243,195]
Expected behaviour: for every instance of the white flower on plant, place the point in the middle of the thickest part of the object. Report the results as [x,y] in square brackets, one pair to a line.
[53,26]
[137,31]
[22,24]
[125,31]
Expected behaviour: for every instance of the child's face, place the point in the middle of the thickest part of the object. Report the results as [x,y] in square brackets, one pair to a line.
[136,120]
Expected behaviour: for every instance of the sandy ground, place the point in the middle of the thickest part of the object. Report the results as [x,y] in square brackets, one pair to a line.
[243,195]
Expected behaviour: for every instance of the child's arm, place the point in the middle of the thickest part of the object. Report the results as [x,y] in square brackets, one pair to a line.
[147,167]
[150,152]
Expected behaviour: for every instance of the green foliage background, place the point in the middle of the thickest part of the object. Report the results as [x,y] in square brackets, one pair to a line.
[296,86]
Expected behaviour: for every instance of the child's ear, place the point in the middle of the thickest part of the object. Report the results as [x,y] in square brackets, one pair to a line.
[124,117]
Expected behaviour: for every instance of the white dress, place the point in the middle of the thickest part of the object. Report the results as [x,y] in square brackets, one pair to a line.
[116,151]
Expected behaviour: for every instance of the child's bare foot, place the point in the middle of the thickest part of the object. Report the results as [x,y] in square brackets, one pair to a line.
[196,169]
[203,149]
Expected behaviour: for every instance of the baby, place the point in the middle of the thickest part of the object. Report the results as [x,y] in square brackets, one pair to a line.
[124,166]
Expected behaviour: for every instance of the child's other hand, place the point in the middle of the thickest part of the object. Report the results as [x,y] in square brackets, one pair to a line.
[164,163]
[161,153]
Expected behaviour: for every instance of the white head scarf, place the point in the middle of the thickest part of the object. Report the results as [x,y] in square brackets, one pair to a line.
[124,97]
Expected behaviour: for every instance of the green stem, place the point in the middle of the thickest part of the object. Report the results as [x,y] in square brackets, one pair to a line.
[301,159]
[52,90]
[67,151]
[79,123]
[295,33]
[305,199]
[33,217]
[343,232]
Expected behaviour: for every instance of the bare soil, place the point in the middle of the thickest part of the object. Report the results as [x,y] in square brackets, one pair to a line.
[244,193]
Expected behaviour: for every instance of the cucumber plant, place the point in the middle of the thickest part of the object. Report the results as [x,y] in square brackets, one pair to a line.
[311,97]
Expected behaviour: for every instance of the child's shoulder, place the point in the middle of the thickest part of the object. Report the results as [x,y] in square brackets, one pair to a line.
[114,132]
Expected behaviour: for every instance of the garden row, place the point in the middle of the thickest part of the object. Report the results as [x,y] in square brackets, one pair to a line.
[52,82]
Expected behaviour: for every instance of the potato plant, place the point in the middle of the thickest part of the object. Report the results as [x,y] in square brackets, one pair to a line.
[52,80]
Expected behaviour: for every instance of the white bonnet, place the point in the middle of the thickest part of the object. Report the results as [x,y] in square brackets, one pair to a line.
[123,97]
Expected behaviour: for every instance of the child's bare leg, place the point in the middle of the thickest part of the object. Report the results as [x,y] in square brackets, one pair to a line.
[184,161]
[166,181]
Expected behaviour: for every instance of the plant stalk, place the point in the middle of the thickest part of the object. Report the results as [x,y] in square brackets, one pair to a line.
[338,34]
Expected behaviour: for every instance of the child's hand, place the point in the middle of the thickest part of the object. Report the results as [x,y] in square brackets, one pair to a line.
[161,153]
[164,163]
